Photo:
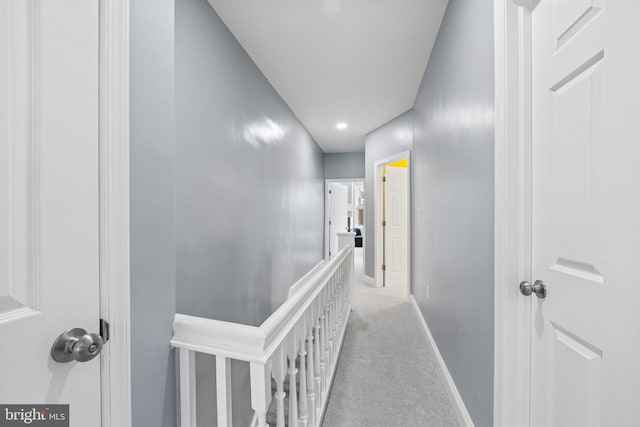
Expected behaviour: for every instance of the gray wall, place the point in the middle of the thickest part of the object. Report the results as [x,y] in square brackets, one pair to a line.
[453,183]
[249,179]
[344,165]
[152,213]
[388,140]
[250,194]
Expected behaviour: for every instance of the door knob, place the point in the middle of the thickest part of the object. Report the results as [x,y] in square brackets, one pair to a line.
[76,344]
[538,287]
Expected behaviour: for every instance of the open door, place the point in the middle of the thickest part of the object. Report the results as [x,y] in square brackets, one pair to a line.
[584,293]
[395,226]
[337,214]
[49,209]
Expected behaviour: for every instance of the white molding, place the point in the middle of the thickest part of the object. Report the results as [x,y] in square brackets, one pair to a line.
[512,38]
[114,211]
[461,411]
[369,280]
[377,214]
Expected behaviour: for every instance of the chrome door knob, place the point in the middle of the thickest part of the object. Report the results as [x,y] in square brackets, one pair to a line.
[538,287]
[76,344]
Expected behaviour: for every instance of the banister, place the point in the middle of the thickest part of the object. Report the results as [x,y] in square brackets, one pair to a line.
[251,343]
[298,342]
[287,315]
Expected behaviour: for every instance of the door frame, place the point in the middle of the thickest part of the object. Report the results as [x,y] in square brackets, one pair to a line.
[326,208]
[377,215]
[115,358]
[513,133]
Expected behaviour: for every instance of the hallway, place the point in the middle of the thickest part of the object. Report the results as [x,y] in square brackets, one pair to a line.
[380,381]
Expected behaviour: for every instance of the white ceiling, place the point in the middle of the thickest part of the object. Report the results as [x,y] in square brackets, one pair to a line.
[357,61]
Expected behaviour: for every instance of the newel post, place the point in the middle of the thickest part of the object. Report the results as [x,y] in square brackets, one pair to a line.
[346,238]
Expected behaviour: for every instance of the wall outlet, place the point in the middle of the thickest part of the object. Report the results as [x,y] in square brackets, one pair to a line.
[428,291]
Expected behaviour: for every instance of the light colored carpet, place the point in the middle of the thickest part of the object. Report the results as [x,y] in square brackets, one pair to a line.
[387,374]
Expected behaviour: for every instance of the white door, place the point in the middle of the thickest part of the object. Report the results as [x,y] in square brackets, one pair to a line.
[396,227]
[337,214]
[48,201]
[586,213]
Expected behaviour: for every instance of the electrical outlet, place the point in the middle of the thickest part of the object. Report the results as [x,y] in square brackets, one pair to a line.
[428,291]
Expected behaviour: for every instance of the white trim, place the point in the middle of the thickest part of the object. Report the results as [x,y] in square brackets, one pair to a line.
[512,24]
[461,411]
[114,212]
[377,214]
[369,280]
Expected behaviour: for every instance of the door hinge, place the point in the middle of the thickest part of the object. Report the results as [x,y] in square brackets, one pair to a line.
[329,253]
[329,191]
[104,330]
[384,267]
[329,222]
[384,223]
[384,179]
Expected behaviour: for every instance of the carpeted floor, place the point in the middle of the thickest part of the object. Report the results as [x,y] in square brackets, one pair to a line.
[387,374]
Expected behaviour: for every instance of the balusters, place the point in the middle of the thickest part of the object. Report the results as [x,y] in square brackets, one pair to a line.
[260,391]
[302,352]
[334,318]
[279,367]
[293,398]
[324,366]
[187,362]
[317,366]
[339,299]
[223,391]
[330,315]
[311,378]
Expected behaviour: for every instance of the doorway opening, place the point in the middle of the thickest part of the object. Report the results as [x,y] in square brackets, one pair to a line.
[392,221]
[344,211]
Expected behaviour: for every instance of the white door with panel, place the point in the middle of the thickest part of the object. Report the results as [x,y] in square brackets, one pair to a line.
[586,213]
[396,226]
[49,218]
[337,214]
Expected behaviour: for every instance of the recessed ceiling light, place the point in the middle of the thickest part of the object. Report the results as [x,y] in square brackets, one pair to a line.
[341,125]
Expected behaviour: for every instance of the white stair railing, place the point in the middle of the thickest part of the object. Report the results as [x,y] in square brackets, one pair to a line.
[302,339]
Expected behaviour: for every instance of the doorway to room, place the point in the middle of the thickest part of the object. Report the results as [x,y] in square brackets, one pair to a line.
[392,219]
[344,211]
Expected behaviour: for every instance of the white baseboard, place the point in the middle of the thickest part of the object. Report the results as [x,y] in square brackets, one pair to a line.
[461,411]
[369,280]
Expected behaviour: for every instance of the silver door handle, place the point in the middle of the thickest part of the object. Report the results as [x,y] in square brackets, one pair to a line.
[76,344]
[538,287]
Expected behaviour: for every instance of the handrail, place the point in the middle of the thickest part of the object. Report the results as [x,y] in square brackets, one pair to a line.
[299,342]
[245,342]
